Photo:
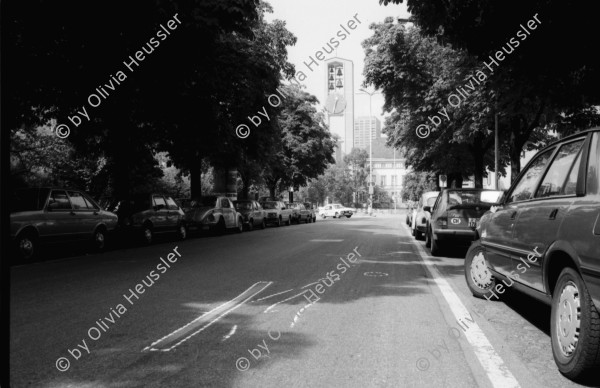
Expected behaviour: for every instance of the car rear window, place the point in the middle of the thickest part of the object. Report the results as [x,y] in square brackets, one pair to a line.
[269,205]
[243,205]
[462,198]
[29,200]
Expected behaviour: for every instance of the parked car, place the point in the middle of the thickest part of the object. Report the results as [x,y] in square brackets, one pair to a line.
[145,215]
[277,213]
[46,215]
[336,210]
[420,217]
[252,213]
[299,213]
[455,214]
[212,213]
[544,237]
[313,213]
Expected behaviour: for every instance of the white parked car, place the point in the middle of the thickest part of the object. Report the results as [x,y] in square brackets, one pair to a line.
[335,210]
[420,217]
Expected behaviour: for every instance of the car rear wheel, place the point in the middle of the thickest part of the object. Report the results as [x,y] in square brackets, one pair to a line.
[99,240]
[477,273]
[181,232]
[335,215]
[427,238]
[279,221]
[147,234]
[240,226]
[575,328]
[436,250]
[349,216]
[26,246]
[289,221]
[263,224]
[250,224]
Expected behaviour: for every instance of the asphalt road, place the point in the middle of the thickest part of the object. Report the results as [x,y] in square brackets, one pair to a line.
[242,310]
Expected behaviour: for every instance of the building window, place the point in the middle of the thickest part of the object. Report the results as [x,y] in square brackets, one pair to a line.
[376,165]
[388,165]
[394,179]
[383,180]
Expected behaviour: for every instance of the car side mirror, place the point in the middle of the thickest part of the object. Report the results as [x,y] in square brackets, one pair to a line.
[283,208]
[427,209]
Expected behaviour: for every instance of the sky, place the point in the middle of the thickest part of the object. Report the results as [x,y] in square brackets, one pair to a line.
[315,22]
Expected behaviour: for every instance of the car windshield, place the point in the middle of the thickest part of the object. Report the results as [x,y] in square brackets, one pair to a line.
[206,202]
[269,205]
[456,198]
[29,200]
[243,205]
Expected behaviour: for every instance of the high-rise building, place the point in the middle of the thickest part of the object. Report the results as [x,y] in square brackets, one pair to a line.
[363,126]
[339,102]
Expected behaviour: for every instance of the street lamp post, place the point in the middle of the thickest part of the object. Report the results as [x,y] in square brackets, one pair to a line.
[370,151]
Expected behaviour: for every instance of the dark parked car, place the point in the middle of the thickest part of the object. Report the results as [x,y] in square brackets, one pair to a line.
[313,212]
[543,239]
[299,213]
[50,215]
[253,214]
[145,215]
[455,214]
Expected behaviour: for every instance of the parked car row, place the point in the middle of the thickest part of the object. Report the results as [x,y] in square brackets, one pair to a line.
[41,216]
[541,238]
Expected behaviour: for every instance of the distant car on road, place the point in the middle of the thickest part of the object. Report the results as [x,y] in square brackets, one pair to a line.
[252,213]
[46,215]
[300,214]
[455,215]
[313,213]
[419,217]
[145,215]
[212,213]
[336,210]
[543,239]
[277,213]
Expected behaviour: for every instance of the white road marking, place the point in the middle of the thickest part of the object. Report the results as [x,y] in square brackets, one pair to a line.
[227,306]
[231,332]
[297,316]
[267,297]
[491,362]
[319,240]
[285,300]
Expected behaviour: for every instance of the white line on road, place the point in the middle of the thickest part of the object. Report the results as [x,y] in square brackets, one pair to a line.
[231,332]
[285,300]
[235,302]
[321,240]
[491,362]
[270,296]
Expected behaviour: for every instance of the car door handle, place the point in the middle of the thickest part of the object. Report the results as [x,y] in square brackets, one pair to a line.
[553,214]
[512,216]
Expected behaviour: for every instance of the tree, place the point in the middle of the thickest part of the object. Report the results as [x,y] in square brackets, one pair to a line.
[185,96]
[416,75]
[534,87]
[357,162]
[305,147]
[415,184]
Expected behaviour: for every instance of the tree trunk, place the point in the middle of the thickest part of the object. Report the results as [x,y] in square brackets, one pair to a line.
[455,180]
[515,162]
[196,178]
[478,153]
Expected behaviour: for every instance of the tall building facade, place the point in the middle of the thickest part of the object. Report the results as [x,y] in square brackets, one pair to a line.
[363,126]
[339,102]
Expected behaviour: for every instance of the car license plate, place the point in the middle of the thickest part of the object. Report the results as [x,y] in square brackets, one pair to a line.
[473,222]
